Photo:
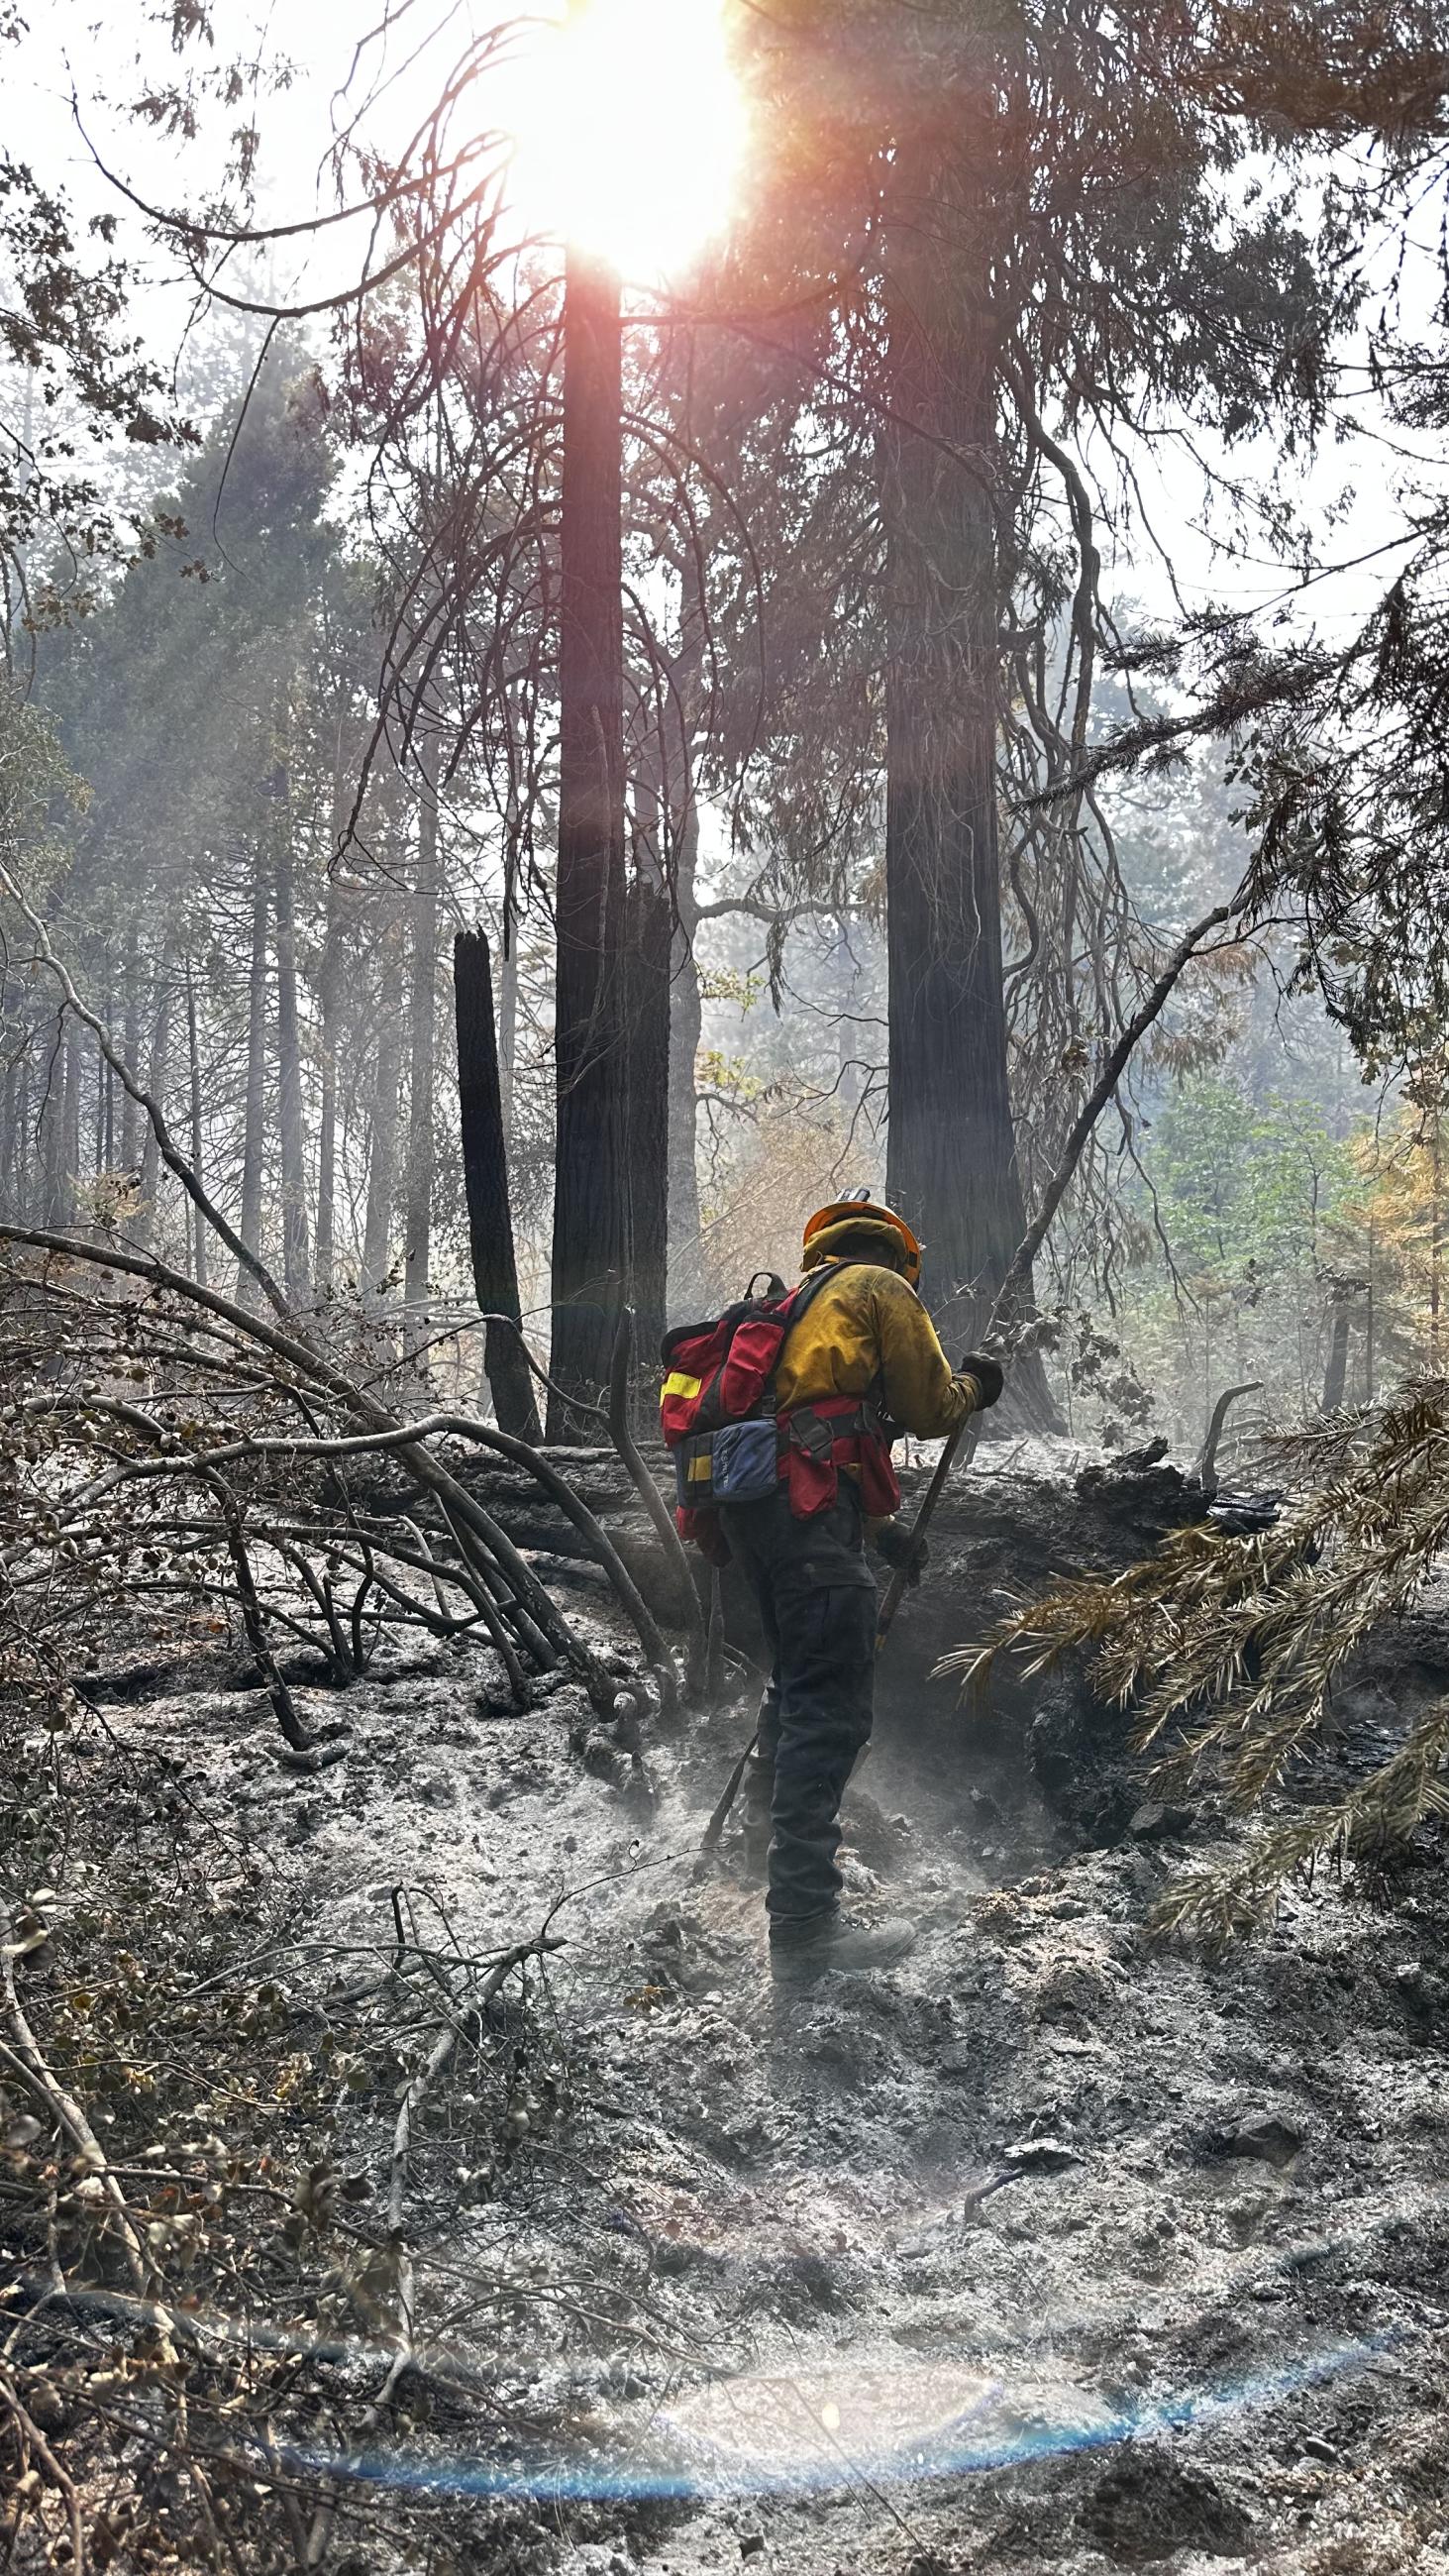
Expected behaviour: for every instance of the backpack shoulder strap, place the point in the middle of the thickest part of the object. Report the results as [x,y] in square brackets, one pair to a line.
[804,1297]
[810,1287]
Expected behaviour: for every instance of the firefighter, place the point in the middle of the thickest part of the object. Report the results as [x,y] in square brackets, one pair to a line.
[862,1364]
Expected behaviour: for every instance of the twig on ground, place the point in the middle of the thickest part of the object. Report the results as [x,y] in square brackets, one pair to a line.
[468,2014]
[27,2060]
[33,2441]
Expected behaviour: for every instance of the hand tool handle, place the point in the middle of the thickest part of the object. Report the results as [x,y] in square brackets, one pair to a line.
[966,1433]
[711,1834]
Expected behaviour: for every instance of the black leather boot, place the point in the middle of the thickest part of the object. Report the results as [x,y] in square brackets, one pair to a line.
[818,1945]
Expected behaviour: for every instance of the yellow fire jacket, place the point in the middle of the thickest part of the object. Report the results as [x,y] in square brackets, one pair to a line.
[868,1330]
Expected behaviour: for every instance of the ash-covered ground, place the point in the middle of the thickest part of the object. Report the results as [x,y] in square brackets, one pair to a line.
[1052,2248]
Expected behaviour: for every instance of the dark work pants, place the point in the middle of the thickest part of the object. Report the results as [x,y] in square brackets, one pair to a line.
[816,1599]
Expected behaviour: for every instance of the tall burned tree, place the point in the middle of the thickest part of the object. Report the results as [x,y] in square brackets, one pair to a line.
[591,1250]
[953,1165]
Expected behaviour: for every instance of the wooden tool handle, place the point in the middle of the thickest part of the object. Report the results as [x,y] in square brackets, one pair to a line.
[966,1432]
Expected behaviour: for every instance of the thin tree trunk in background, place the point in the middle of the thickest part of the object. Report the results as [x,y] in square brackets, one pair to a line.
[650,943]
[291,1116]
[952,1163]
[1436,1235]
[250,1226]
[849,1036]
[130,1130]
[422,1040]
[508,1021]
[485,1178]
[101,1119]
[1335,1375]
[328,998]
[591,1265]
[382,1159]
[50,1135]
[157,1082]
[71,1120]
[1370,1327]
[11,1201]
[198,1132]
[22,1139]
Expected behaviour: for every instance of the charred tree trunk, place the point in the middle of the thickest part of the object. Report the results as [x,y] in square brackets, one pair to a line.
[421,1046]
[591,1263]
[952,1167]
[651,940]
[485,1178]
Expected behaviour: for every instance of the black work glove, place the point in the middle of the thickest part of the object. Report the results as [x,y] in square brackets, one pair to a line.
[987,1373]
[894,1542]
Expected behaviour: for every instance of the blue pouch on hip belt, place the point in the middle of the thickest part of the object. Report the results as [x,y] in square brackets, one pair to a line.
[740,1463]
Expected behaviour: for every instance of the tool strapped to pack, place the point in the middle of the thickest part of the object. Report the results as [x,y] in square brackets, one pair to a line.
[731,1444]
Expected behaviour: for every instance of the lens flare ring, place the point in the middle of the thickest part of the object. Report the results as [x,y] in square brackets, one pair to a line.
[673,2462]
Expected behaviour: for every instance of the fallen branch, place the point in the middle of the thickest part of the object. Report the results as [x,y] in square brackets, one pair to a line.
[297,1344]
[649,1495]
[301,1746]
[302,1355]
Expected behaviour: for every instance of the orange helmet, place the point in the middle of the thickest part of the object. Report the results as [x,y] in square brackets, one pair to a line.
[864,1212]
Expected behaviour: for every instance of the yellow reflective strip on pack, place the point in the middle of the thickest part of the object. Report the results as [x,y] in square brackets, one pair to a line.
[701,1470]
[688,1387]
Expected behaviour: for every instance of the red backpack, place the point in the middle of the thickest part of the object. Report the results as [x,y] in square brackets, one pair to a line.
[718,1414]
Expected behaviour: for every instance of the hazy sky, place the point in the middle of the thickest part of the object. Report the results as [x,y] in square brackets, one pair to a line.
[1352,493]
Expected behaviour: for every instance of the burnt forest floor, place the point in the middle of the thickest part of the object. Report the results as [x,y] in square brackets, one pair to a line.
[1052,2249]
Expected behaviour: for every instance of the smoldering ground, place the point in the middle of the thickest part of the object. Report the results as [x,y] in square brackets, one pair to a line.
[1052,2247]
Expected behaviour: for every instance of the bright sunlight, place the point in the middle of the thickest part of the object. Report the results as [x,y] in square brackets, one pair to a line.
[631,132]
